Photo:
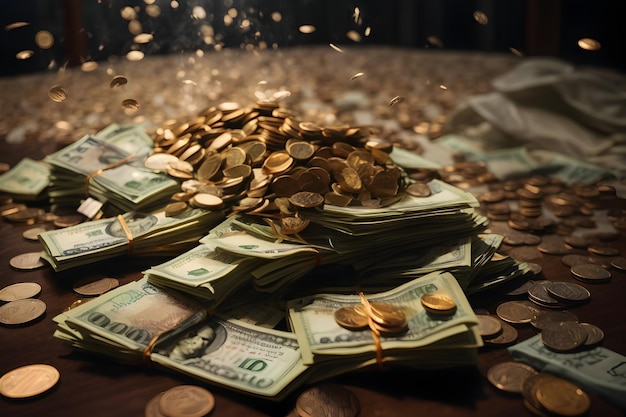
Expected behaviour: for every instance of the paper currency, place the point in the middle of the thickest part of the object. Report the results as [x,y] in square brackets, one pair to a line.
[27,180]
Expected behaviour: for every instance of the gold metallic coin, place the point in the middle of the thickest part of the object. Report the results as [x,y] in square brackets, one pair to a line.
[488,326]
[387,315]
[19,291]
[561,397]
[159,161]
[327,400]
[22,311]
[28,381]
[95,286]
[57,93]
[174,209]
[395,100]
[306,199]
[509,376]
[418,189]
[26,261]
[351,318]
[118,81]
[438,303]
[186,401]
[74,305]
[206,201]
[292,225]
[130,104]
[589,44]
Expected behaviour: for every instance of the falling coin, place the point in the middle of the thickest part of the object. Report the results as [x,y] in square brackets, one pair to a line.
[28,381]
[19,291]
[22,311]
[395,100]
[118,81]
[27,261]
[187,401]
[327,400]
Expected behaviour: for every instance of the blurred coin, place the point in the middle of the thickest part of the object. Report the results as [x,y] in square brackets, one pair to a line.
[306,199]
[19,291]
[568,291]
[351,318]
[418,189]
[619,263]
[74,305]
[595,335]
[327,400]
[186,401]
[27,215]
[387,315]
[95,286]
[159,161]
[517,312]
[509,376]
[22,311]
[603,250]
[206,201]
[562,398]
[28,381]
[152,407]
[553,245]
[522,289]
[543,319]
[488,326]
[69,220]
[576,241]
[176,208]
[507,336]
[590,273]
[25,261]
[572,259]
[33,233]
[438,303]
[564,336]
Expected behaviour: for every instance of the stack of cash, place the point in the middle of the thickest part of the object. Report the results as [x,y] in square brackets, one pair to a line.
[28,180]
[140,322]
[109,167]
[133,233]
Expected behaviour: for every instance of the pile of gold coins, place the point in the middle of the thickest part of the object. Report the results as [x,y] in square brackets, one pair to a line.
[261,159]
[380,317]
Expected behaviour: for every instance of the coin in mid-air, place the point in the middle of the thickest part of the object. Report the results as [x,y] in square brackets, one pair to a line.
[28,381]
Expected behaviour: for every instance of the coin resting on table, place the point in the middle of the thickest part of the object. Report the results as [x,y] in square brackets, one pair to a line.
[263,255]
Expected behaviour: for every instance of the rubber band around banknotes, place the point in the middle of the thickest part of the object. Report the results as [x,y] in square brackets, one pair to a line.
[147,352]
[102,170]
[375,332]
[129,235]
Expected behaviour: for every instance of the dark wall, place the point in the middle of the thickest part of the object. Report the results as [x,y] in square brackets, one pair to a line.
[99,30]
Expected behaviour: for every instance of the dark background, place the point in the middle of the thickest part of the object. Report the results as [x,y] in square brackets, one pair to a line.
[94,29]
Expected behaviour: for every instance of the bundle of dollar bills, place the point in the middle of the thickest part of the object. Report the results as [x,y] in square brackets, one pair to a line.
[28,180]
[109,167]
[141,321]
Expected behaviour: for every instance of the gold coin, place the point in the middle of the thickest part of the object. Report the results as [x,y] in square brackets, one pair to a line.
[418,189]
[118,81]
[351,318]
[206,201]
[561,397]
[186,401]
[387,315]
[509,376]
[306,199]
[327,400]
[159,161]
[25,261]
[57,93]
[22,311]
[44,39]
[589,44]
[130,104]
[438,303]
[95,287]
[33,233]
[292,225]
[395,100]
[68,220]
[174,209]
[74,305]
[28,381]
[19,291]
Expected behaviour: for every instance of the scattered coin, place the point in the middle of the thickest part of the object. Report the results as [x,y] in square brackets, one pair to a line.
[74,305]
[68,220]
[517,312]
[438,303]
[152,407]
[619,262]
[595,335]
[19,291]
[507,336]
[28,381]
[22,311]
[560,397]
[543,319]
[510,376]
[522,289]
[351,318]
[572,259]
[489,326]
[564,336]
[327,400]
[33,233]
[538,294]
[590,273]
[186,401]
[25,261]
[568,291]
[603,250]
[95,286]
